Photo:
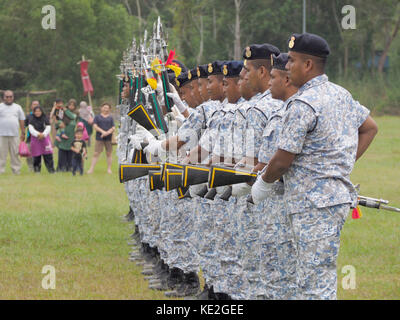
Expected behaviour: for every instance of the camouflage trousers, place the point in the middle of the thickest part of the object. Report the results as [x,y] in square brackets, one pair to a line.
[182,253]
[278,255]
[236,283]
[155,217]
[144,216]
[317,239]
[229,267]
[205,224]
[165,242]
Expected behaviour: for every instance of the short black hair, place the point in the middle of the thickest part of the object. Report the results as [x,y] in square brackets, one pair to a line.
[58,100]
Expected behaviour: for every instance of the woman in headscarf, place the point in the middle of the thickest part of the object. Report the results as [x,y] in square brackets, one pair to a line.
[39,129]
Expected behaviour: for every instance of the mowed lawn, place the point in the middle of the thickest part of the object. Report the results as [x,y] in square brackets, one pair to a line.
[74,224]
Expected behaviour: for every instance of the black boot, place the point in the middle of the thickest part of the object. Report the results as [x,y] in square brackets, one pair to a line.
[189,287]
[175,278]
[204,294]
[222,296]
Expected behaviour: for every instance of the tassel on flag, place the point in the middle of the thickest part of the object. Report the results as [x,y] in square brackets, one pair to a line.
[156,66]
[171,57]
[152,82]
[356,214]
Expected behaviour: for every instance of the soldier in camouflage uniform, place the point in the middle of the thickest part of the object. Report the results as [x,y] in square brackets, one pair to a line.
[324,130]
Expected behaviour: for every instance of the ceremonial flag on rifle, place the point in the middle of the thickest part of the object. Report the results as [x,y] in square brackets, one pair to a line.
[87,84]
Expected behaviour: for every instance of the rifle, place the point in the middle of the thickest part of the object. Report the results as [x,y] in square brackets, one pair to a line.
[193,175]
[223,176]
[155,182]
[376,204]
[132,171]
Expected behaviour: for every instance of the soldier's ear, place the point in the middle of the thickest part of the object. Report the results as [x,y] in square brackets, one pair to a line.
[308,64]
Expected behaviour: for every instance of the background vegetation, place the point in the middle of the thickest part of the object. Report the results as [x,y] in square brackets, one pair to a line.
[32,58]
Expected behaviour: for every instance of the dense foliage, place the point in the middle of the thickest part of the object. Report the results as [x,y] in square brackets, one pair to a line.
[32,58]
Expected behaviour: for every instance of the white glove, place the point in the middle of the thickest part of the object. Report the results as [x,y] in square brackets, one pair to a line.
[177,101]
[135,141]
[260,190]
[240,189]
[220,190]
[195,189]
[154,148]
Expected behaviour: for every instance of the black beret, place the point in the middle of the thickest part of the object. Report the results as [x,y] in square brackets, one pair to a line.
[192,74]
[232,68]
[202,71]
[260,51]
[309,43]
[182,79]
[279,62]
[171,77]
[215,68]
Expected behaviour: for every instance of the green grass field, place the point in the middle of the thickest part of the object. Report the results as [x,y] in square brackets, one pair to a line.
[74,224]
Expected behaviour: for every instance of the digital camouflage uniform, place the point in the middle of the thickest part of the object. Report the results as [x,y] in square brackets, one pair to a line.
[277,255]
[320,126]
[250,216]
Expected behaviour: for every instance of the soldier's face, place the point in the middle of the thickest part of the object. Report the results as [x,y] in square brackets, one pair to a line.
[277,84]
[202,82]
[244,88]
[195,92]
[296,66]
[231,89]
[214,88]
[187,96]
[252,76]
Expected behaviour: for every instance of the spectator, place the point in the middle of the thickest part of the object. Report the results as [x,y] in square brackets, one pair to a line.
[79,152]
[29,160]
[86,116]
[104,126]
[64,146]
[56,114]
[39,129]
[11,118]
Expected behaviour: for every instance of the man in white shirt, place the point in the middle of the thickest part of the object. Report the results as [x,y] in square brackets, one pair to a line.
[11,120]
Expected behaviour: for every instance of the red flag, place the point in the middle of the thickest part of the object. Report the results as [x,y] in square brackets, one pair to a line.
[87,84]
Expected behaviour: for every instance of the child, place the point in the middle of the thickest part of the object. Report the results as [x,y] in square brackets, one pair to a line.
[60,131]
[79,152]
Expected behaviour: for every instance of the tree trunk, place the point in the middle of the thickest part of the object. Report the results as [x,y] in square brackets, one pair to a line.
[346,59]
[201,49]
[128,7]
[385,52]
[214,24]
[237,45]
[139,13]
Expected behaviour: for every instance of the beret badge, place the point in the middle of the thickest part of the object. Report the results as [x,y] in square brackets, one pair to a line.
[248,52]
[225,70]
[272,61]
[210,68]
[177,82]
[189,75]
[291,42]
[198,72]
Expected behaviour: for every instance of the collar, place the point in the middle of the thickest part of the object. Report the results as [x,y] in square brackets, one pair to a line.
[316,81]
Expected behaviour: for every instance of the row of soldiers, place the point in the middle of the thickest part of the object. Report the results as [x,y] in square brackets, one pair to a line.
[285,139]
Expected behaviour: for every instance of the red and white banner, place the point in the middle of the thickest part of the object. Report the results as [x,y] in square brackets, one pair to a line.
[87,84]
